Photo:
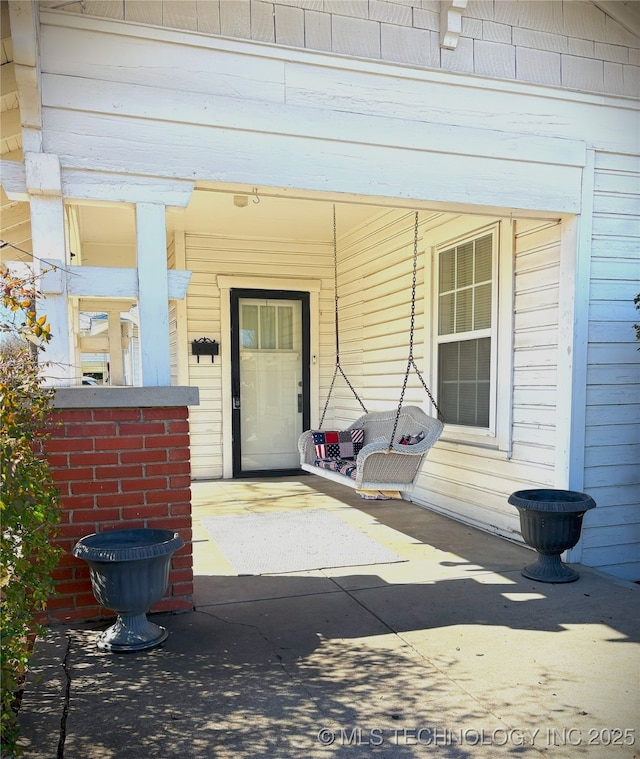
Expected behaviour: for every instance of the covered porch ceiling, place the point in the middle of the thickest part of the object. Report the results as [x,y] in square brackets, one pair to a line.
[249,213]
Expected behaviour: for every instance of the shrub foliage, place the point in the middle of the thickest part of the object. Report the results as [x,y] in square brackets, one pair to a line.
[28,497]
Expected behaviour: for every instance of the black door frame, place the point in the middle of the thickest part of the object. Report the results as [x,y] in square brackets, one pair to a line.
[235,295]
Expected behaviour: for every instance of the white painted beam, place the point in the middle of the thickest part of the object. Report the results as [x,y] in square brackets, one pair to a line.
[110,282]
[153,295]
[256,159]
[13,180]
[108,187]
[94,344]
[299,118]
[125,188]
[103,305]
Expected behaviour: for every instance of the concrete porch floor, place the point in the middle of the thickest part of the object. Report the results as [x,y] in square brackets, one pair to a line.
[450,652]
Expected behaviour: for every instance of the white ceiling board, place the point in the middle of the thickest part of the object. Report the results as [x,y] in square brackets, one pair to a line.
[215,213]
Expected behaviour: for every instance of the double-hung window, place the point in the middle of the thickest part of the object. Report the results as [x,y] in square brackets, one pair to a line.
[467,333]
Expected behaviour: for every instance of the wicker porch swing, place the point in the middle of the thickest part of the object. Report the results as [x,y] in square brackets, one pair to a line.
[381,453]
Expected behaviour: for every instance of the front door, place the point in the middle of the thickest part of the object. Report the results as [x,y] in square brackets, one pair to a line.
[269,380]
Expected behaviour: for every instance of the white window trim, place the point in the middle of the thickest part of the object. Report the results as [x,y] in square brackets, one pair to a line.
[498,435]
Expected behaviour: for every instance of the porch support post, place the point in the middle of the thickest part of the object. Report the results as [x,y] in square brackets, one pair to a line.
[181,312]
[579,237]
[116,363]
[43,184]
[153,294]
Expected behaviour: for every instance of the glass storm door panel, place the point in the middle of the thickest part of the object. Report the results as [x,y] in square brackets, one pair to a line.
[270,380]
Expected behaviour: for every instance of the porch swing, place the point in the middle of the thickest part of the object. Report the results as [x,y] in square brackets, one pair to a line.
[381,453]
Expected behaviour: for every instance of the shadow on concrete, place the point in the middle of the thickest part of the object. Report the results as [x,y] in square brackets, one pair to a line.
[457,656]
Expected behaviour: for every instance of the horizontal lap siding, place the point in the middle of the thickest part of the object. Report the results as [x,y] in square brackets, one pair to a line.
[537,277]
[207,257]
[466,482]
[611,533]
[375,272]
[473,484]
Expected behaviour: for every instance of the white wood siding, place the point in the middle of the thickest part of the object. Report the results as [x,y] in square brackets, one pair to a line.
[209,256]
[375,264]
[537,281]
[611,533]
[375,271]
[471,483]
[568,44]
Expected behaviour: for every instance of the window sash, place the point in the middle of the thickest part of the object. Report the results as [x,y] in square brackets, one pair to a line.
[466,331]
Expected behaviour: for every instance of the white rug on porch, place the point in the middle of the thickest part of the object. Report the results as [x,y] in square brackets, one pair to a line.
[293,541]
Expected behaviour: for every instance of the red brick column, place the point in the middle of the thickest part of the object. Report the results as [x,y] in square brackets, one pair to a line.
[119,468]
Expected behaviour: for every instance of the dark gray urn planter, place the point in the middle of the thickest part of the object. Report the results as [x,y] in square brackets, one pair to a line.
[129,573]
[551,522]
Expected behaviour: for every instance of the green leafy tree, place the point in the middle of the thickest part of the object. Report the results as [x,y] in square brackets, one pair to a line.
[28,496]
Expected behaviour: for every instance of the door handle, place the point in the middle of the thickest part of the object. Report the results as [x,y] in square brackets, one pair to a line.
[236,402]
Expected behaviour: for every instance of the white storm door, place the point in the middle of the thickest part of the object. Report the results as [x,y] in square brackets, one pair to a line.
[270,388]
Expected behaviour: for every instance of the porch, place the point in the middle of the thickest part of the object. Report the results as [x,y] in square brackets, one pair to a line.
[447,649]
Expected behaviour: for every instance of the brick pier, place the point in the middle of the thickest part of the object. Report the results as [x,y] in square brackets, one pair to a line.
[118,467]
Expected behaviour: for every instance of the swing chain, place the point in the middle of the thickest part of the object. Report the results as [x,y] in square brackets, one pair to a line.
[411,361]
[338,367]
[335,285]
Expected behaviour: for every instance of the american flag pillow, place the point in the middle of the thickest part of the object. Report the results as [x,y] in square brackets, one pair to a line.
[411,439]
[338,444]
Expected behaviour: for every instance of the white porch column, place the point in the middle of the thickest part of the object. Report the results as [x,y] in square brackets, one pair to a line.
[44,187]
[116,362]
[153,294]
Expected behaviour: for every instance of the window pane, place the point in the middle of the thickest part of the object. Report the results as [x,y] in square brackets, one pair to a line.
[267,327]
[468,360]
[482,307]
[446,314]
[285,328]
[484,359]
[249,327]
[447,270]
[448,370]
[463,382]
[467,404]
[464,276]
[482,401]
[483,259]
[464,302]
